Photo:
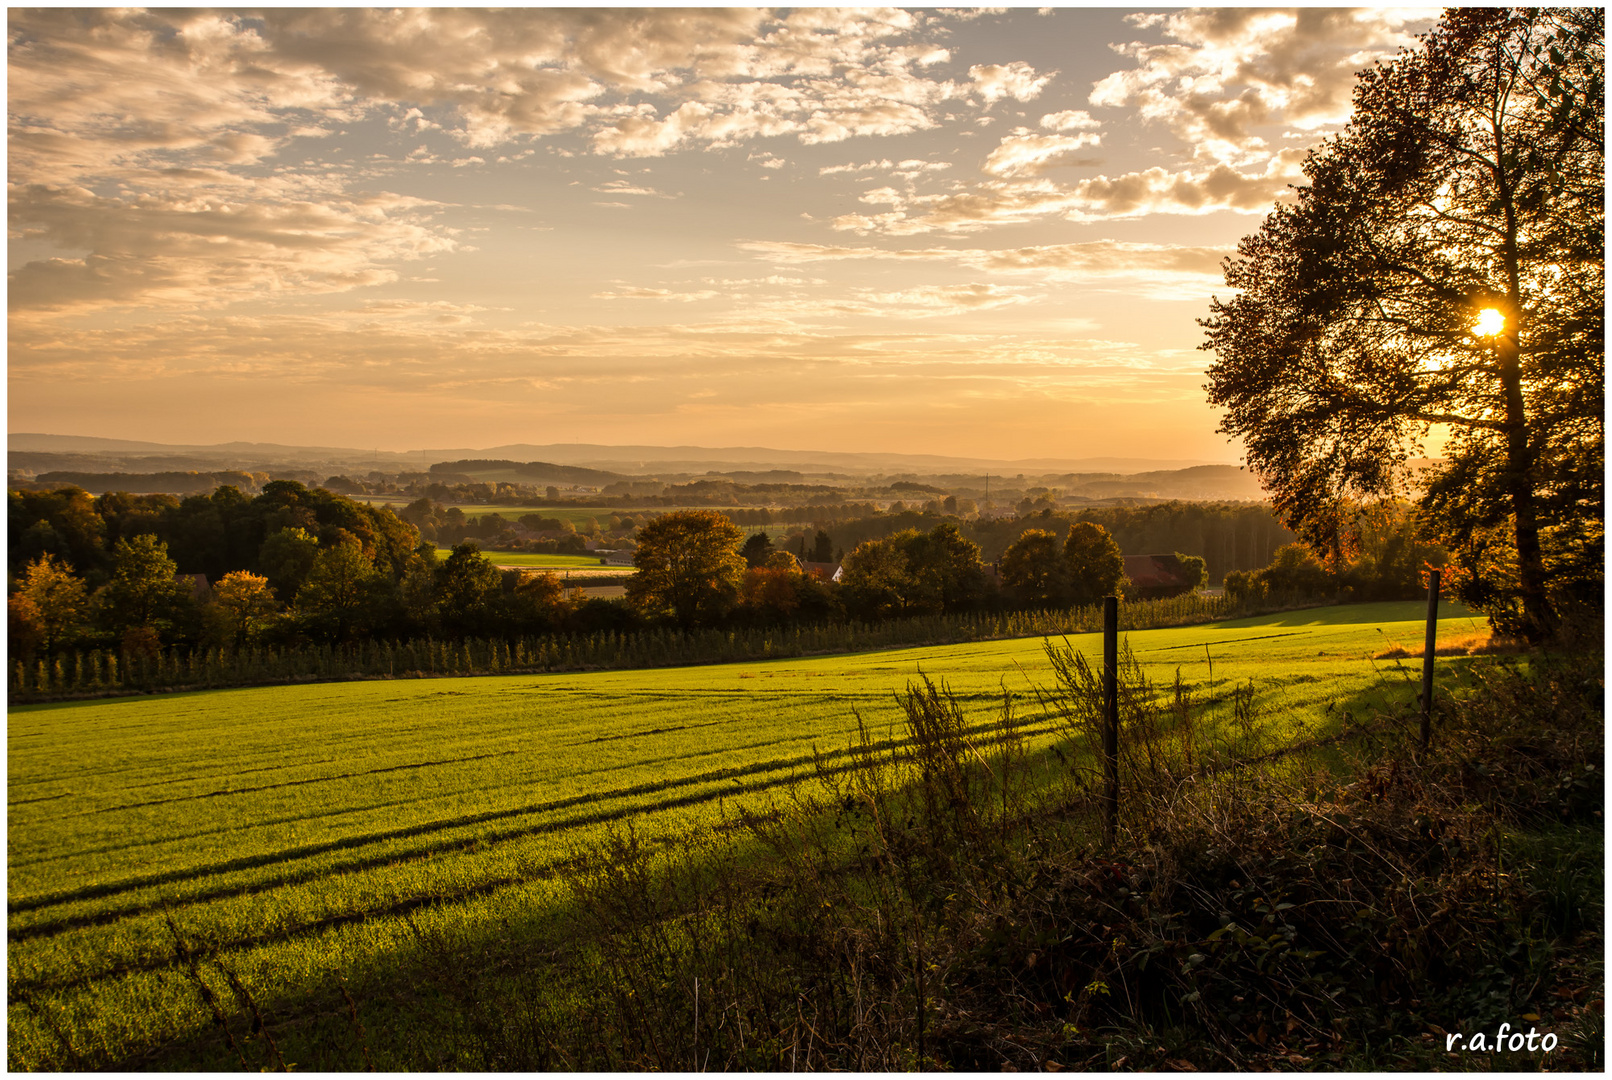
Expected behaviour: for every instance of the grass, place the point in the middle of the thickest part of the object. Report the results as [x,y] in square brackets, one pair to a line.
[305,839]
[535,559]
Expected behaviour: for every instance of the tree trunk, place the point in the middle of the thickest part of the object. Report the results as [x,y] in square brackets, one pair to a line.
[1538,616]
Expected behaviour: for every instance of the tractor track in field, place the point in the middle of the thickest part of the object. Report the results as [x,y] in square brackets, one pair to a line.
[300,783]
[55,927]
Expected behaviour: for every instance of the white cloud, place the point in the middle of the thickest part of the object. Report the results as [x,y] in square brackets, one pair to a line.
[171,117]
[1160,191]
[926,300]
[1070,120]
[627,187]
[909,167]
[1027,154]
[1228,71]
[197,246]
[1016,80]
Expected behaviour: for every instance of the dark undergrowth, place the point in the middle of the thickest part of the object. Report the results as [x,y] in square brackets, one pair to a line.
[947,905]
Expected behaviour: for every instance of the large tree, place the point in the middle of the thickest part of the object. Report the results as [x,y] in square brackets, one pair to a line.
[1096,566]
[55,600]
[241,602]
[1469,179]
[914,573]
[144,592]
[468,590]
[1034,570]
[343,595]
[688,566]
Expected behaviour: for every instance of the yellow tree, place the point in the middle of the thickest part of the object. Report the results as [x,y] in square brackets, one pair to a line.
[241,601]
[52,600]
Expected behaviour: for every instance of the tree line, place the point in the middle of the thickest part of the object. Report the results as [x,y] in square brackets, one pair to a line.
[292,565]
[295,565]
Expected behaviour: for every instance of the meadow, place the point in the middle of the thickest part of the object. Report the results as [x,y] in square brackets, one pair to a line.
[541,561]
[306,837]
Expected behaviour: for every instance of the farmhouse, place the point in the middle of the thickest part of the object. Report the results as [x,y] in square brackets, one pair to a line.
[1155,576]
[200,590]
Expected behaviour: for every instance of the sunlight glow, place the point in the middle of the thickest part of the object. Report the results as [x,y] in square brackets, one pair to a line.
[1490,322]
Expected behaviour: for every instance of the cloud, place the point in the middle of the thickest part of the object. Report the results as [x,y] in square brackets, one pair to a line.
[1162,271]
[158,151]
[1228,71]
[194,246]
[655,294]
[685,76]
[985,205]
[926,300]
[1160,191]
[1020,196]
[1027,154]
[1016,80]
[909,167]
[1070,120]
[627,187]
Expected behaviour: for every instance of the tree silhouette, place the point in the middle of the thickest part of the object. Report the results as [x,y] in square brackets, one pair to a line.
[1471,178]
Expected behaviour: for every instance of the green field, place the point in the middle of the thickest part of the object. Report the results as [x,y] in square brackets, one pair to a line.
[575,515]
[302,831]
[529,558]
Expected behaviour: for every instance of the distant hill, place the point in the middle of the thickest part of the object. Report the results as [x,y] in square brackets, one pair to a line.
[528,472]
[107,454]
[171,483]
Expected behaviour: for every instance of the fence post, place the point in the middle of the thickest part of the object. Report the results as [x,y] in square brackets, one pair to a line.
[1427,658]
[1110,718]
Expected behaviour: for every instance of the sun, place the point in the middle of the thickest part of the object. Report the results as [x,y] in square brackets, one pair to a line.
[1490,322]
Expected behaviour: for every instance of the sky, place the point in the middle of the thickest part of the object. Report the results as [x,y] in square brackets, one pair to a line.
[981,232]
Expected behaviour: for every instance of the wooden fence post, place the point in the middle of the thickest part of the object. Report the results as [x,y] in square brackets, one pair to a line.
[1110,718]
[1427,658]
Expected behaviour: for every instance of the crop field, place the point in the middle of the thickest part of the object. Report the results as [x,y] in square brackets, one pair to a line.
[541,561]
[308,835]
[576,515]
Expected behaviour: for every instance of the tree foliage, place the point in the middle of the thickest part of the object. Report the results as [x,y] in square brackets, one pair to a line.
[914,573]
[1471,176]
[468,587]
[241,602]
[53,601]
[1034,570]
[1096,566]
[343,594]
[143,592]
[688,567]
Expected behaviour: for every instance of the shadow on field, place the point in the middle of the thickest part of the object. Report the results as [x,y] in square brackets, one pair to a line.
[1351,614]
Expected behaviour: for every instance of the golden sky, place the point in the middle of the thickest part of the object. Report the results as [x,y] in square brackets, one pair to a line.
[962,232]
